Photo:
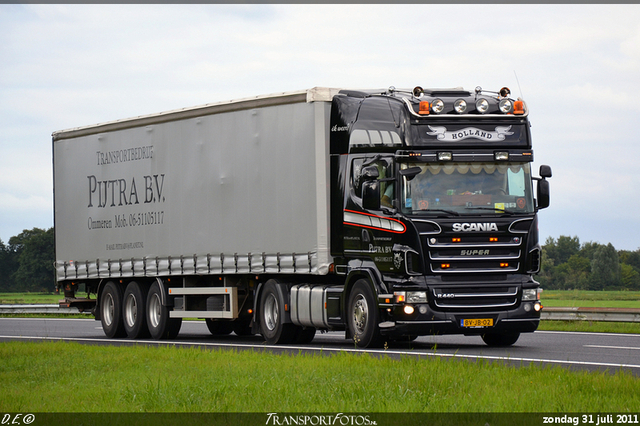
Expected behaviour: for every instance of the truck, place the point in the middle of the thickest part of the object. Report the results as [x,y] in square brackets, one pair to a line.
[386,213]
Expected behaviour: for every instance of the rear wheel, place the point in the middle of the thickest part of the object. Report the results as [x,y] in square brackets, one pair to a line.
[158,321]
[271,311]
[135,310]
[363,316]
[305,335]
[111,310]
[500,339]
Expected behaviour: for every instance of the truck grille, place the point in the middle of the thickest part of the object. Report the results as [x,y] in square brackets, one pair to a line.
[457,298]
[481,254]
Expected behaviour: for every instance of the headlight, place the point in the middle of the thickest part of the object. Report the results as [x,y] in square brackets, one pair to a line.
[506,106]
[529,294]
[460,106]
[416,297]
[437,106]
[482,105]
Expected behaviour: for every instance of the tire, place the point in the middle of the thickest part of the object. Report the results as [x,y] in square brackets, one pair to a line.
[242,327]
[503,339]
[134,310]
[158,321]
[218,328]
[272,309]
[363,316]
[305,335]
[111,310]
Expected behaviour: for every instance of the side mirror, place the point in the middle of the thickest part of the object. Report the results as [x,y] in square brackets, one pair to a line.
[410,173]
[545,171]
[371,195]
[543,193]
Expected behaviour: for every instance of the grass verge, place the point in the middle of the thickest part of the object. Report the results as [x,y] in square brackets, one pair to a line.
[33,376]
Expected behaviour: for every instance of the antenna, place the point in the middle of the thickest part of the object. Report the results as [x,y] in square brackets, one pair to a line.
[517,81]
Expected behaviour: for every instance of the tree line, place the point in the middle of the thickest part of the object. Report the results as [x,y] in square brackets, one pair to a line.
[569,265]
[26,264]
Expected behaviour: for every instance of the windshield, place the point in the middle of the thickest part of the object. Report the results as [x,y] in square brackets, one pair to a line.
[468,188]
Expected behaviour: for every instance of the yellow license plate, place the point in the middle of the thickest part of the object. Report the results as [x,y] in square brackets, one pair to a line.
[477,322]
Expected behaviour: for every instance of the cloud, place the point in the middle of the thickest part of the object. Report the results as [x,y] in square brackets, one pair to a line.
[577,67]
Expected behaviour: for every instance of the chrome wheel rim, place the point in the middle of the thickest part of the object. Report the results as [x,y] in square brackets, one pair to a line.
[154,310]
[131,310]
[108,309]
[271,312]
[360,314]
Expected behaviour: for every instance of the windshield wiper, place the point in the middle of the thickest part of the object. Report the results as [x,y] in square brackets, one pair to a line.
[451,212]
[491,208]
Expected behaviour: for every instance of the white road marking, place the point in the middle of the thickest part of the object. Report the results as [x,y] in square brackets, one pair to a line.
[611,347]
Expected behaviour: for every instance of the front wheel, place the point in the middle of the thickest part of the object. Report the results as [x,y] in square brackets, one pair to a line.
[160,325]
[502,339]
[363,316]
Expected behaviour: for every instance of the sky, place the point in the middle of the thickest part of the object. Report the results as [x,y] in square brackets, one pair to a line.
[576,66]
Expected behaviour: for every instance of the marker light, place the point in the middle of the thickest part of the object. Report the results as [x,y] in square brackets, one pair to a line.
[501,155]
[424,108]
[518,107]
[460,106]
[437,106]
[456,240]
[400,296]
[493,239]
[445,266]
[506,106]
[445,156]
[482,105]
[504,265]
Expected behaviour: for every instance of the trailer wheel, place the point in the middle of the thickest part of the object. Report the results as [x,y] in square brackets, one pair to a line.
[218,328]
[271,309]
[135,310]
[503,339]
[158,321]
[363,316]
[111,310]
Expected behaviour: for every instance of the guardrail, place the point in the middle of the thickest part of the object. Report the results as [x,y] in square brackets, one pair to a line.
[38,309]
[556,314]
[591,314]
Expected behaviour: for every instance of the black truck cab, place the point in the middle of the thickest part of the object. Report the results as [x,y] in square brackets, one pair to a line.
[439,213]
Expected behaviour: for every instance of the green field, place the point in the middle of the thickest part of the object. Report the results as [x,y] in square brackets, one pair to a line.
[70,377]
[591,299]
[29,298]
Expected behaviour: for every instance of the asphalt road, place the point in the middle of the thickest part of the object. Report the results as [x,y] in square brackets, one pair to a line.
[590,351]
